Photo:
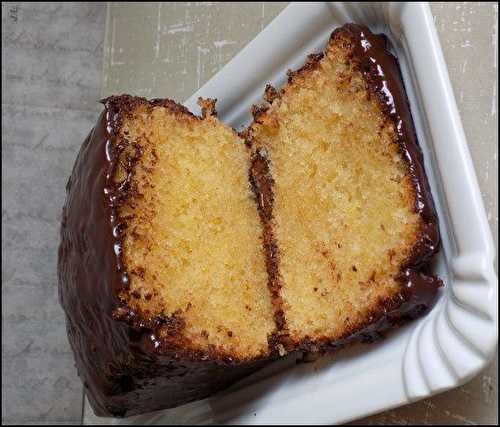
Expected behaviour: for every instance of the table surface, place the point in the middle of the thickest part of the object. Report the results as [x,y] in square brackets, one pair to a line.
[53,55]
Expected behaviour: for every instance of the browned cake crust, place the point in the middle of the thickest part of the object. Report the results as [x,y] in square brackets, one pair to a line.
[369,54]
[126,367]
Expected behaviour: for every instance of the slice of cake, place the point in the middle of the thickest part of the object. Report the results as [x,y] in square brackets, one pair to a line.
[162,267]
[190,258]
[348,207]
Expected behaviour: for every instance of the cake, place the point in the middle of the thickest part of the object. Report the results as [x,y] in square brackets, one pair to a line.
[192,256]
[162,269]
[349,206]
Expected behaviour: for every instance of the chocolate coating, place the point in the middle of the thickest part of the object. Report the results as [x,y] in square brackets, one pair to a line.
[125,366]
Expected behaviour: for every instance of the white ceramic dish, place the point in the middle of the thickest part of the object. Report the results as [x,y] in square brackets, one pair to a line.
[459,336]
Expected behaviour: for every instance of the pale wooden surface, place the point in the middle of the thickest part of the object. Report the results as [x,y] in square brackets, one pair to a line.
[171,49]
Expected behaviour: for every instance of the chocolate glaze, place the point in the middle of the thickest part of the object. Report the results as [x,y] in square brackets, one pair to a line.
[126,364]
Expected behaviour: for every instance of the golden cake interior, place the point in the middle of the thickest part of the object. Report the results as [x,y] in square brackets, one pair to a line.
[344,217]
[192,244]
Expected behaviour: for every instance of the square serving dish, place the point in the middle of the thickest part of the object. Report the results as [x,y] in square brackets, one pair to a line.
[458,337]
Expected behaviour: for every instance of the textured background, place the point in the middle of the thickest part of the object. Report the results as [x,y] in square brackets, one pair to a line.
[51,81]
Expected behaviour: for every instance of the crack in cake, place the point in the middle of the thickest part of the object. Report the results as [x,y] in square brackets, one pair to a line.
[192,256]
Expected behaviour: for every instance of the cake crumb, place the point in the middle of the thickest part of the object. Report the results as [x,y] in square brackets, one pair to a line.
[281,350]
